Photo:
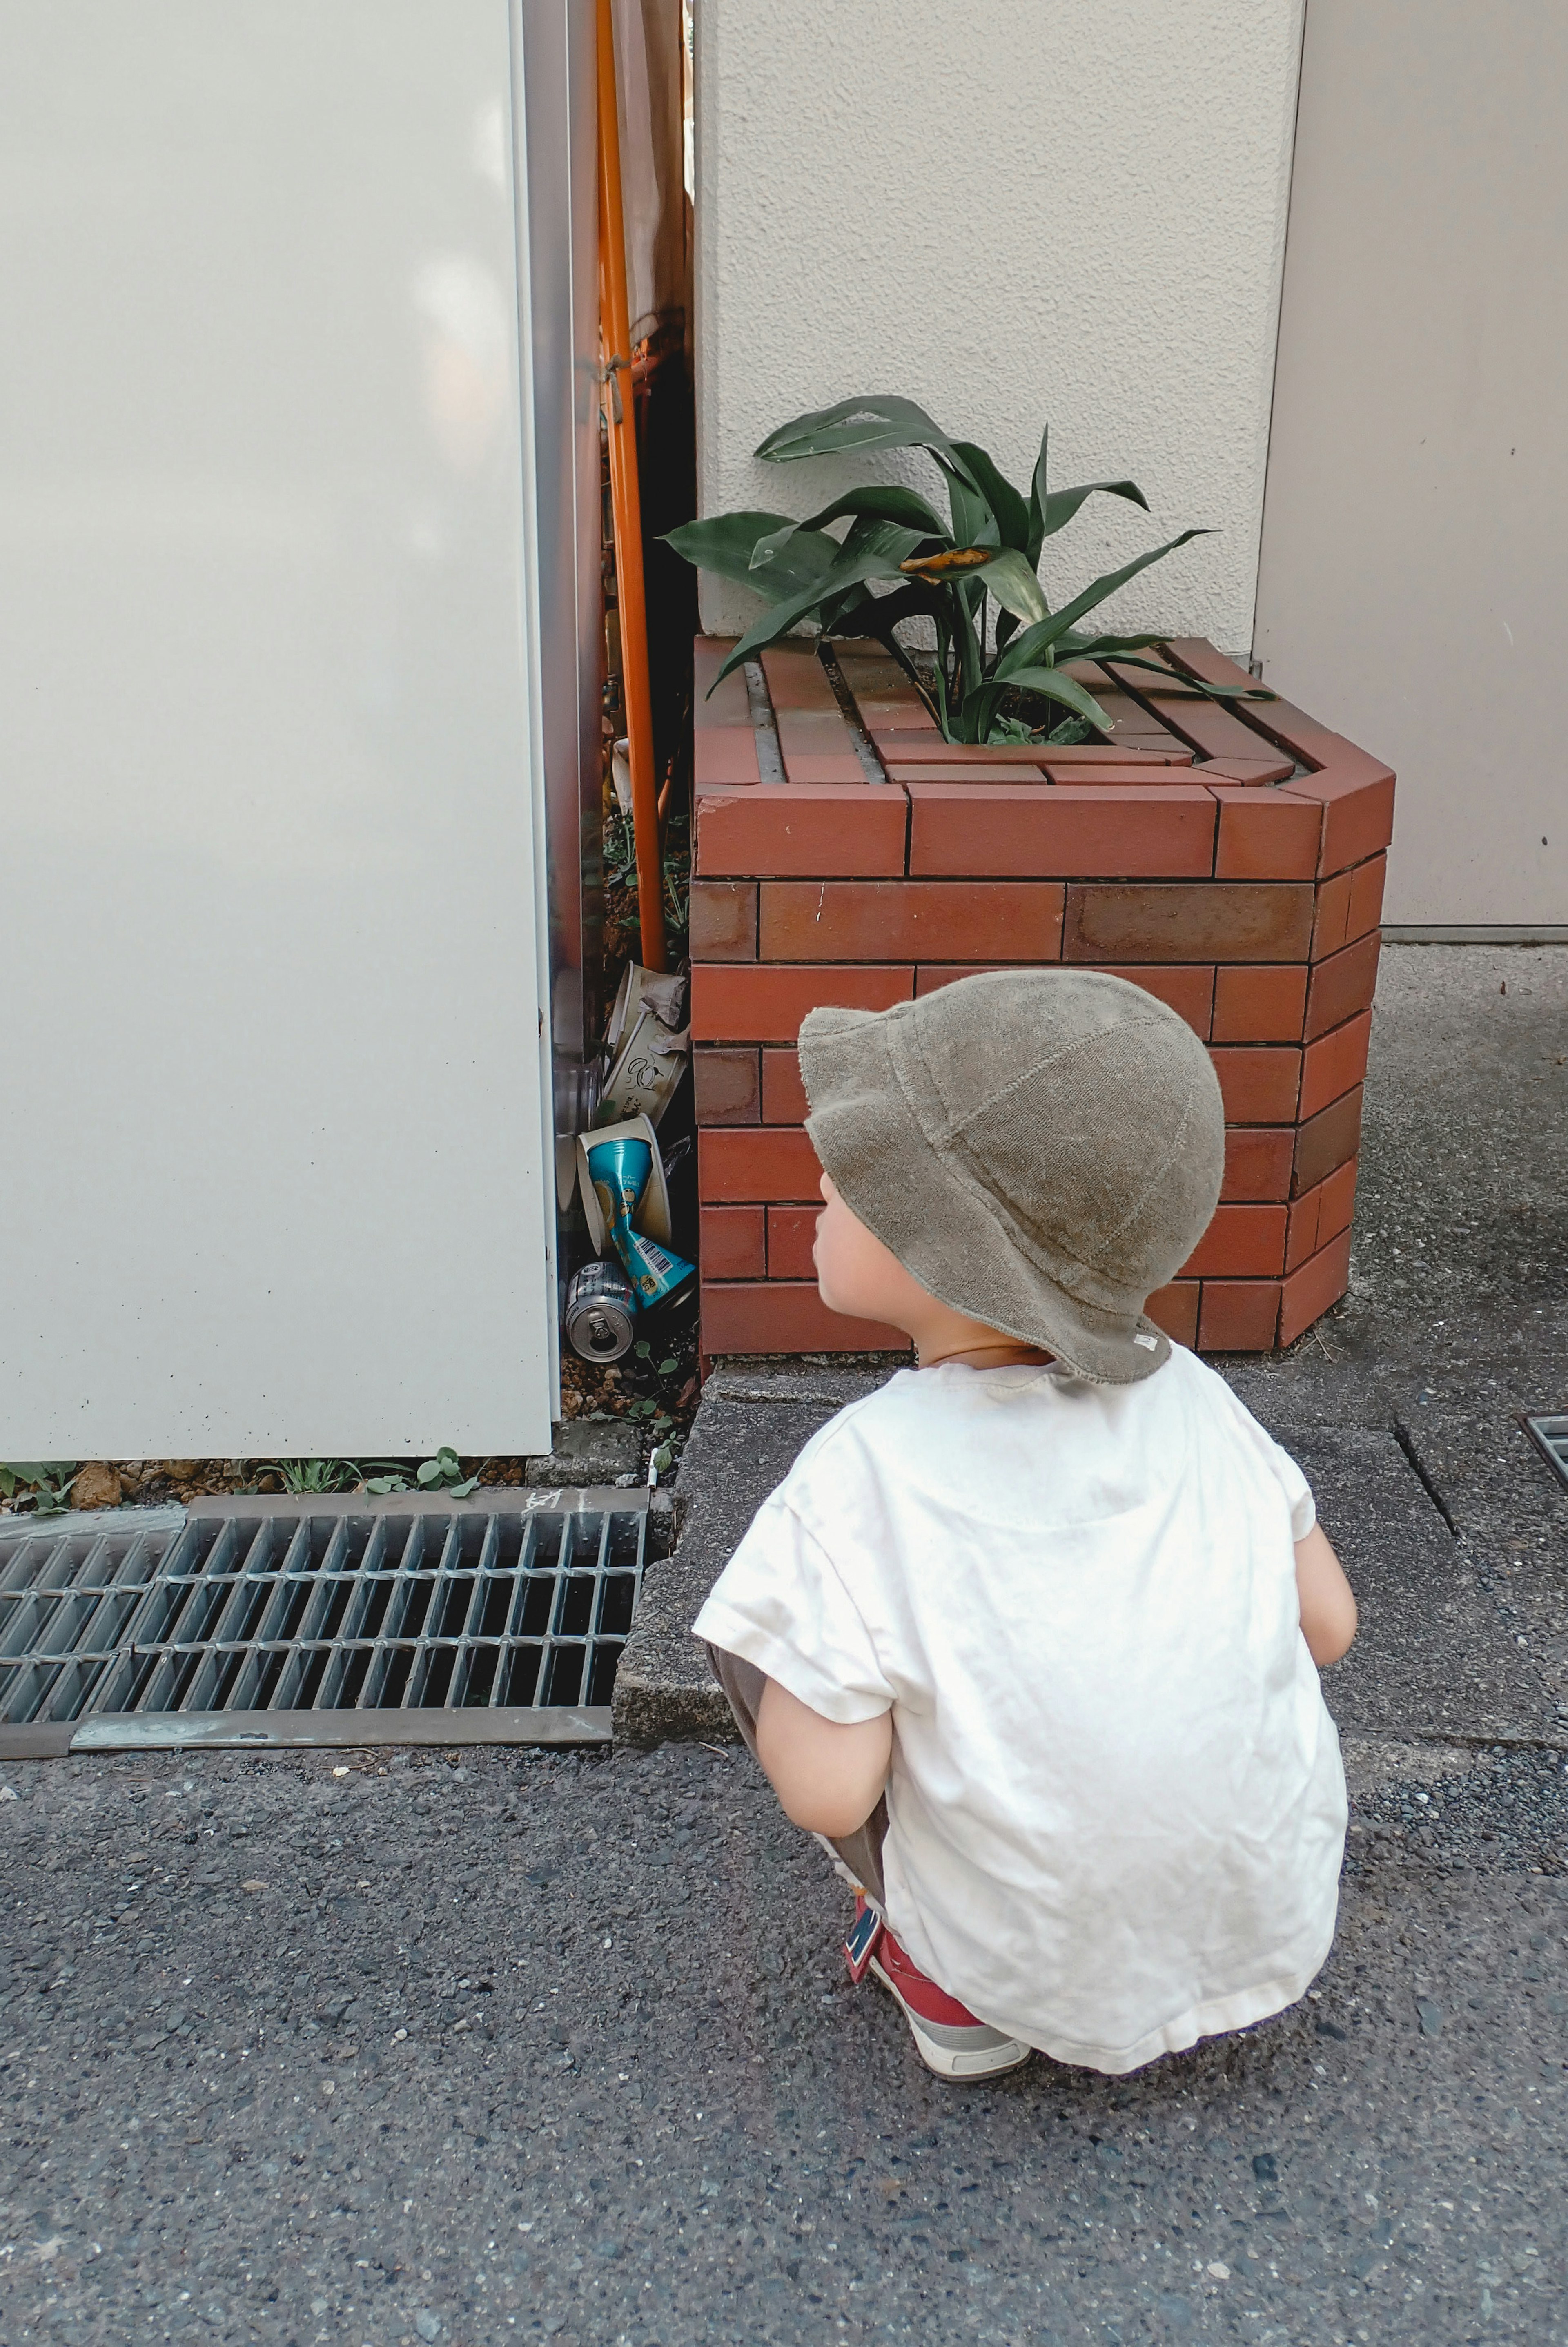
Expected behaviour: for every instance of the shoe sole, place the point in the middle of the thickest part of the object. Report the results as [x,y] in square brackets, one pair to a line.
[953,2060]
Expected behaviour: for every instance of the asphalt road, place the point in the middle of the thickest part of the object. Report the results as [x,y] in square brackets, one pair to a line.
[559,2047]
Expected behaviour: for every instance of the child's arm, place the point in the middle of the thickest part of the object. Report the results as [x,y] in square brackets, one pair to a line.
[1328,1607]
[828,1776]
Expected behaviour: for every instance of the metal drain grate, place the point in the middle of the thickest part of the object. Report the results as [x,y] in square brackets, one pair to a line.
[1550,1436]
[324,1622]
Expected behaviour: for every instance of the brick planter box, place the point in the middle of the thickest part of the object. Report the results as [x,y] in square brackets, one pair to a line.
[1231,863]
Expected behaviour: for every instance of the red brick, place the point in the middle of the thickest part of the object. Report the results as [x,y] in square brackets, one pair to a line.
[1341,986]
[1142,772]
[1238,1316]
[733,1242]
[795,676]
[1175,1311]
[1240,1243]
[771,1316]
[1222,921]
[1068,756]
[1320,1215]
[1063,828]
[982,770]
[1265,1005]
[791,1230]
[1257,1161]
[1309,1292]
[1357,799]
[726,704]
[726,1086]
[890,712]
[1266,835]
[1367,896]
[742,1163]
[783,1094]
[1259,1083]
[1277,719]
[1338,1197]
[1301,1236]
[1356,790]
[764,1002]
[1252,771]
[1331,919]
[931,975]
[726,754]
[723,920]
[886,920]
[1212,729]
[1326,1142]
[820,767]
[832,828]
[909,749]
[1186,991]
[822,730]
[1334,1064]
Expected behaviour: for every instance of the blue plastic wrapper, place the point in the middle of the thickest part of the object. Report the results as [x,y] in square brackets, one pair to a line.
[619,1171]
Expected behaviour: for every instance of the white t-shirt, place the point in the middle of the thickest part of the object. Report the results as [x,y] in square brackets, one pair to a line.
[1116,1806]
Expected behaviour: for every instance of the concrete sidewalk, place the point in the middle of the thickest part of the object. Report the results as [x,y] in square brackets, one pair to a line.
[557,2046]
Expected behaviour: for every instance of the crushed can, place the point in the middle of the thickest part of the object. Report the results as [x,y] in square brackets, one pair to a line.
[619,1169]
[599,1310]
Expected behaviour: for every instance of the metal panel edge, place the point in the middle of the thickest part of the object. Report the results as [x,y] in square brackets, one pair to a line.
[294,1731]
[500,1499]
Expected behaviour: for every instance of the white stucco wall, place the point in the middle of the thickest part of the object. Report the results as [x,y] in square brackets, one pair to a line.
[1010,211]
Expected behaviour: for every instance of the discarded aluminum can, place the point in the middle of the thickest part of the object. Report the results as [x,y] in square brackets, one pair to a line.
[600,1308]
[619,1171]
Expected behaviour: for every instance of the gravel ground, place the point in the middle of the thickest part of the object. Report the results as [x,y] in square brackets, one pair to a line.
[559,2047]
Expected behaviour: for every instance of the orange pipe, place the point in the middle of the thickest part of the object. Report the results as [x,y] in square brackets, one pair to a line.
[625,500]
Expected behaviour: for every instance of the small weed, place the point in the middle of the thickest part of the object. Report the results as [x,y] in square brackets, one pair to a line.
[48,1480]
[443,1473]
[304,1478]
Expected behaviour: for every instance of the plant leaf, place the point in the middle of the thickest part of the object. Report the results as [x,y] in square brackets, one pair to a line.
[1024,650]
[1011,511]
[429,1473]
[872,550]
[1055,686]
[884,503]
[879,420]
[461,1491]
[1012,582]
[1106,648]
[723,544]
[1037,495]
[1060,507]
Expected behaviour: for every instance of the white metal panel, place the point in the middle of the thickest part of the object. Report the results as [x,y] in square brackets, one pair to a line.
[275,1177]
[1412,583]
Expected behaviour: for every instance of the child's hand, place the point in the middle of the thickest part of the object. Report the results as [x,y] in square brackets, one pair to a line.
[1328,1606]
[828,1776]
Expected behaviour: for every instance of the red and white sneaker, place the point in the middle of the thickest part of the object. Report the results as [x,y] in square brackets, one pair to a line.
[947,2037]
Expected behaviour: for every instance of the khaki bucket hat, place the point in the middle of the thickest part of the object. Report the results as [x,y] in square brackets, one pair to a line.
[1041,1148]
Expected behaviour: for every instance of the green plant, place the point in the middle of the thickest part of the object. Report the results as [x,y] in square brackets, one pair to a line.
[304,1477]
[48,1480]
[991,553]
[443,1473]
[620,861]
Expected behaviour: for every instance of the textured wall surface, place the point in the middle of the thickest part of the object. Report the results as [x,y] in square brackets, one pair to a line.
[1030,210]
